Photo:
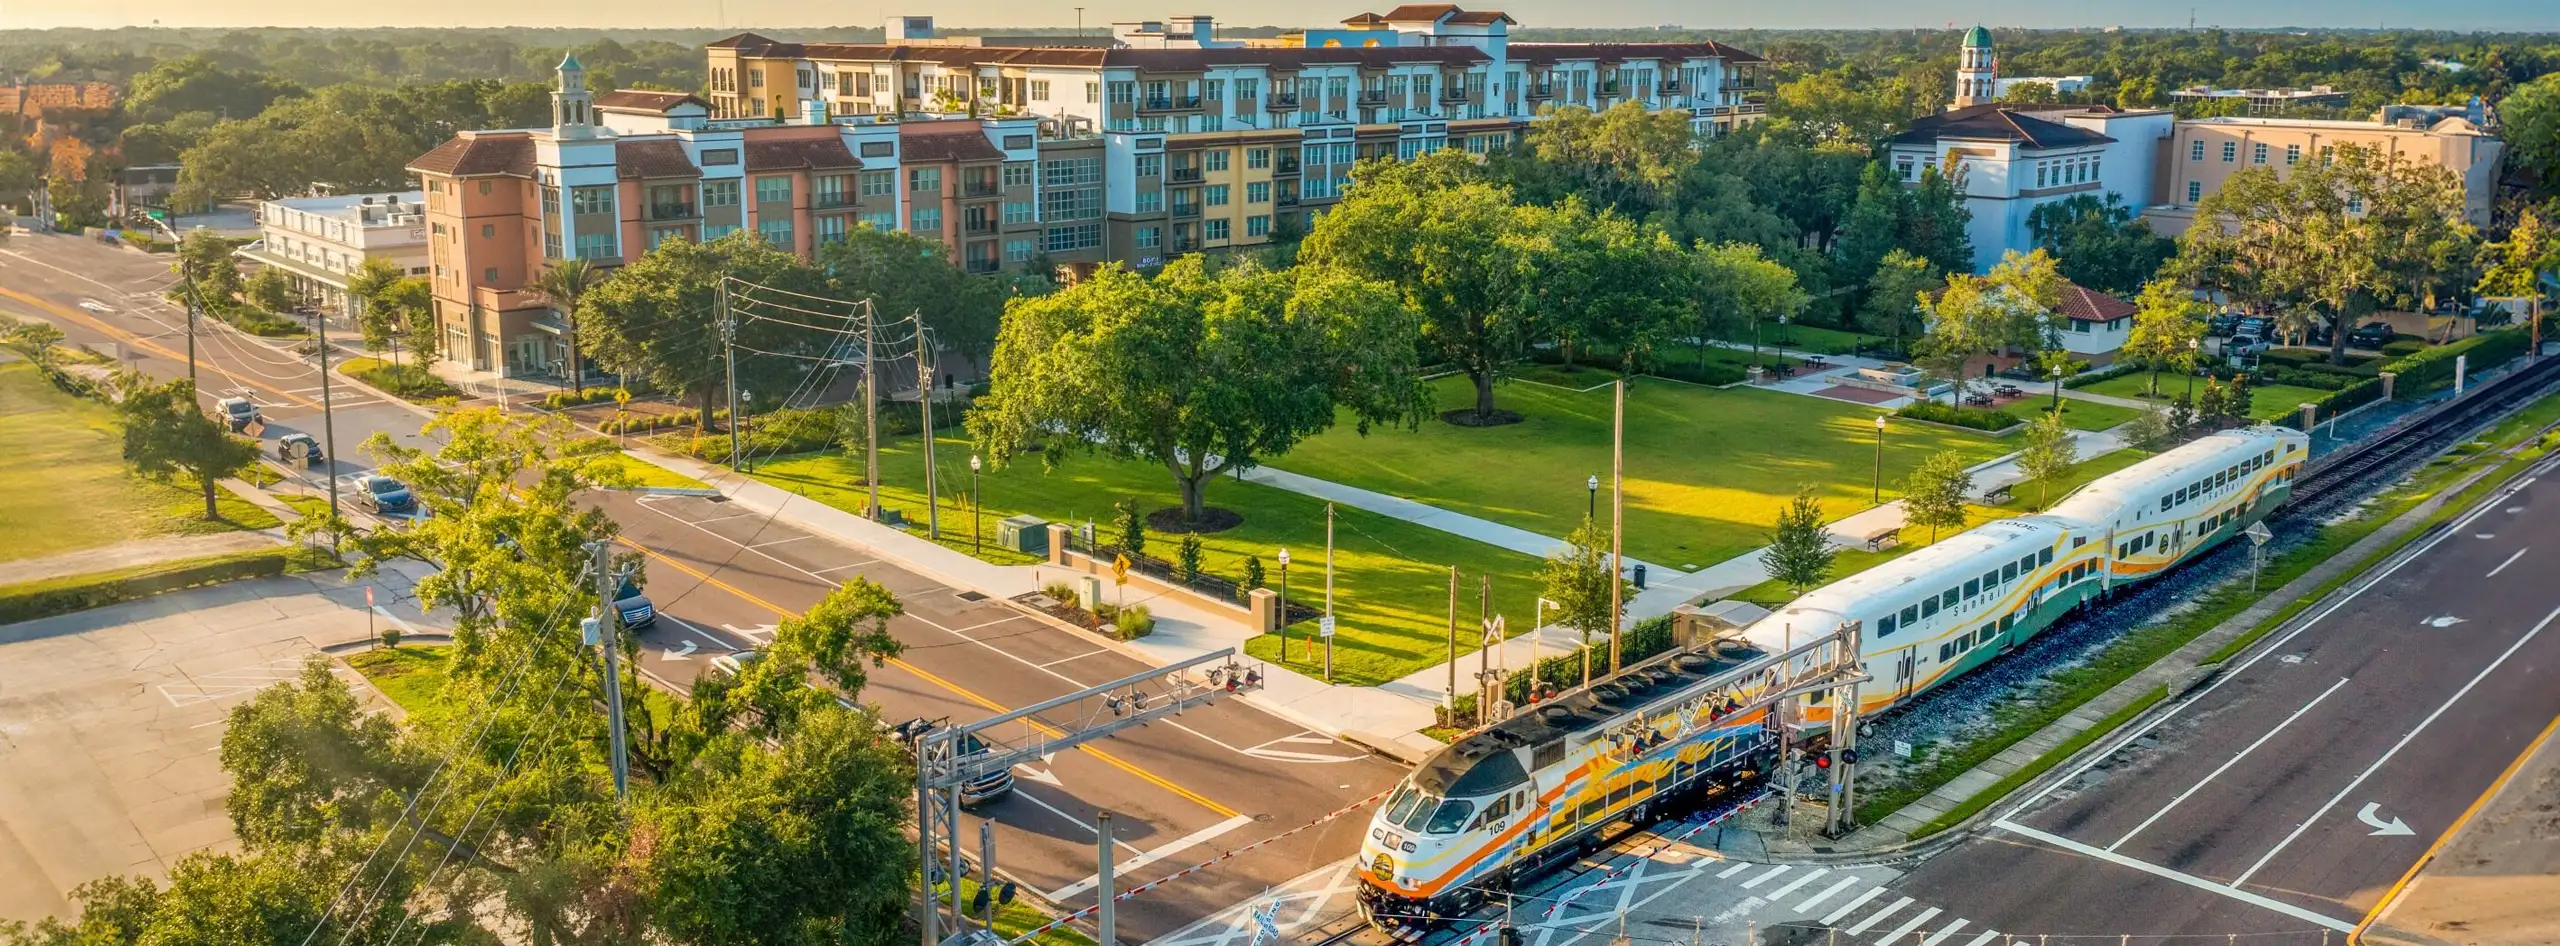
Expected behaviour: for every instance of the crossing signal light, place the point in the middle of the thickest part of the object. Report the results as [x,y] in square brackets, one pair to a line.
[1849,756]
[1822,761]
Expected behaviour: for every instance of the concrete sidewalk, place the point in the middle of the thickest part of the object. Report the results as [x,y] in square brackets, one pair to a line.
[1422,514]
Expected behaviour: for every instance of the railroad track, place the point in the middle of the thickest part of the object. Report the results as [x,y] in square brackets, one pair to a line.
[2426,434]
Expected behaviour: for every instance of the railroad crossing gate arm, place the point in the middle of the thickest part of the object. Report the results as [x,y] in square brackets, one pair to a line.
[1090,714]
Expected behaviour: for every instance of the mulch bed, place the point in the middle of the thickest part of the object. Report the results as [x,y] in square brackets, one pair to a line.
[1467,417]
[1171,521]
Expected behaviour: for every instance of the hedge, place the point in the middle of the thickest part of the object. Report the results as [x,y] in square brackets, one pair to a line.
[560,400]
[2432,370]
[407,381]
[1940,412]
[1647,639]
[2338,402]
[64,595]
[2086,378]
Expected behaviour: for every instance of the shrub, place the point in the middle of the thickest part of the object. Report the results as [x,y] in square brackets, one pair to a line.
[52,596]
[1060,592]
[2432,369]
[407,381]
[2403,347]
[1134,622]
[1968,417]
[2084,379]
[2304,377]
[563,400]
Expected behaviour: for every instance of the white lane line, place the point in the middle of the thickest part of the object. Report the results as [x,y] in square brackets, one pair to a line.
[1735,869]
[775,542]
[1878,917]
[705,522]
[1764,878]
[2502,566]
[1186,842]
[2188,879]
[1061,660]
[1907,926]
[1801,880]
[1944,933]
[2397,746]
[1001,620]
[1987,936]
[2227,764]
[1845,908]
[838,568]
[1834,890]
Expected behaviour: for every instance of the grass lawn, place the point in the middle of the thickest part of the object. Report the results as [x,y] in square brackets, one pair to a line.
[645,473]
[2091,415]
[1707,470]
[2022,500]
[411,676]
[71,490]
[1391,578]
[405,380]
[2266,401]
[1812,338]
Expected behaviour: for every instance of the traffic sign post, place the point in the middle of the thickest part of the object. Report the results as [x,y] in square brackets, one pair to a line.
[1120,577]
[2258,536]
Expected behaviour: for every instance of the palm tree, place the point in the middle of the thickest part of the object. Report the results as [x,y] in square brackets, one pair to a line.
[562,284]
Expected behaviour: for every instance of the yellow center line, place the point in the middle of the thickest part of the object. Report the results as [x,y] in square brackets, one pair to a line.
[956,689]
[2392,895]
[138,341]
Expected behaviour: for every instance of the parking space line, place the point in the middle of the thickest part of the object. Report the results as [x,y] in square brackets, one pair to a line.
[1849,907]
[2233,891]
[1833,891]
[838,568]
[775,542]
[705,522]
[1089,653]
[2228,763]
[1001,620]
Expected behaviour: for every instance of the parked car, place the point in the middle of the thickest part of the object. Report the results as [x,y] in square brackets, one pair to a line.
[2221,324]
[239,412]
[2253,328]
[380,495]
[985,788]
[301,447]
[2372,335]
[636,609]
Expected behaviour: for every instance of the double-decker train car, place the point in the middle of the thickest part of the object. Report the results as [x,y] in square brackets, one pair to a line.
[1508,800]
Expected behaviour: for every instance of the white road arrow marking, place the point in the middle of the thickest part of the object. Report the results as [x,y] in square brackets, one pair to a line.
[2372,815]
[94,305]
[2445,621]
[761,633]
[1048,775]
[685,652]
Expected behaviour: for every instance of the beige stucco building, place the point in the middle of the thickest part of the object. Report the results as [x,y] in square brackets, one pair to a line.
[2203,153]
[320,241]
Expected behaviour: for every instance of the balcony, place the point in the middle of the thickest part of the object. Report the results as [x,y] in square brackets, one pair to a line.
[1608,87]
[1453,94]
[979,226]
[1541,92]
[673,211]
[1668,87]
[831,200]
[1185,244]
[1286,200]
[1281,102]
[1373,97]
[982,188]
[1286,165]
[1173,103]
[981,266]
[1190,175]
[1186,208]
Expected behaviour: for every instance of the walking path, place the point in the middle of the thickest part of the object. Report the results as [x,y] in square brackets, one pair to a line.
[2094,398]
[1422,514]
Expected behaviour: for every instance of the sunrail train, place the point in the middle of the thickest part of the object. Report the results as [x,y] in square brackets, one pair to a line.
[1506,801]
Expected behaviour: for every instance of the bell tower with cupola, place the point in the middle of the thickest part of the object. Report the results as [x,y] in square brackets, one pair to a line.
[1978,71]
[572,106]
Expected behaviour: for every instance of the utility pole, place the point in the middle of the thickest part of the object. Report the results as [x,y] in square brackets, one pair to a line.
[1450,699]
[729,352]
[328,425]
[1484,649]
[871,410]
[609,636]
[1102,880]
[1328,592]
[1617,522]
[924,399]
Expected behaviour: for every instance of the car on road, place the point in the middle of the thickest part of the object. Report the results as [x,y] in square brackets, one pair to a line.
[239,412]
[2371,335]
[636,609]
[301,447]
[380,495]
[978,791]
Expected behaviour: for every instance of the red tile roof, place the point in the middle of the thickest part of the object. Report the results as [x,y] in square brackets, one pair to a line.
[1544,53]
[1193,60]
[1420,12]
[652,158]
[636,100]
[1482,18]
[2002,121]
[477,154]
[968,145]
[2086,305]
[793,154]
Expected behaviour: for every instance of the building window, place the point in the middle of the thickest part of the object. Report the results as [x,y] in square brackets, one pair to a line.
[1124,93]
[2355,203]
[2195,150]
[1215,160]
[2292,155]
[1257,158]
[925,180]
[660,236]
[1068,172]
[879,183]
[1257,225]
[715,231]
[1148,238]
[777,232]
[1215,195]
[2041,168]
[1017,174]
[719,193]
[1039,90]
[1017,251]
[831,229]
[1258,192]
[2258,153]
[715,157]
[551,246]
[2230,151]
[880,221]
[595,246]
[487,231]
[550,201]
[2195,191]
[1150,165]
[1077,203]
[1092,93]
[1017,211]
[1214,229]
[925,220]
[1150,201]
[489,276]
[1067,239]
[773,190]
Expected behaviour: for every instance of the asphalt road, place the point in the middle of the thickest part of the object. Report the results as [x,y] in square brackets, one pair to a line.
[2296,792]
[1180,790]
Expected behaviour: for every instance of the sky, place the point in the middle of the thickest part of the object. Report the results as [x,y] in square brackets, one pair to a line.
[776,14]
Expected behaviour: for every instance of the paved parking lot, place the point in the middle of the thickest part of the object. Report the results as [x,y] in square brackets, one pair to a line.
[110,726]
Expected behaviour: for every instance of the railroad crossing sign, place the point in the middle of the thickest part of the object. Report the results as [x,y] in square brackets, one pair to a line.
[2257,533]
[1120,569]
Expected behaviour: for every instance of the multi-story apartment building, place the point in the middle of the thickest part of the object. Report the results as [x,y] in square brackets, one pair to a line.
[2206,152]
[321,241]
[1208,143]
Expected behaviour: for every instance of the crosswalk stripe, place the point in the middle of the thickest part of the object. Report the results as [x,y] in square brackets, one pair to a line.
[1764,878]
[1987,936]
[1735,869]
[1878,917]
[1907,926]
[1834,890]
[1852,906]
[1801,880]
[1944,933]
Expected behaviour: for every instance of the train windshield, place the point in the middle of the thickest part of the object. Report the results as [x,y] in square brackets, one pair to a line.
[1451,816]
[1401,806]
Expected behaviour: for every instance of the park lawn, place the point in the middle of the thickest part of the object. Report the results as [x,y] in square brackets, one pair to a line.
[2266,401]
[412,676]
[70,489]
[2092,415]
[1707,469]
[1391,578]
[1812,338]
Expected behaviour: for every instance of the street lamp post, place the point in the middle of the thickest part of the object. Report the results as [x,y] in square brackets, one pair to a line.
[1284,604]
[2057,388]
[1878,495]
[1591,506]
[977,511]
[2195,349]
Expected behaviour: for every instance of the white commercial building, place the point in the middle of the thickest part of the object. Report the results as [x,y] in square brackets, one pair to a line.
[321,241]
